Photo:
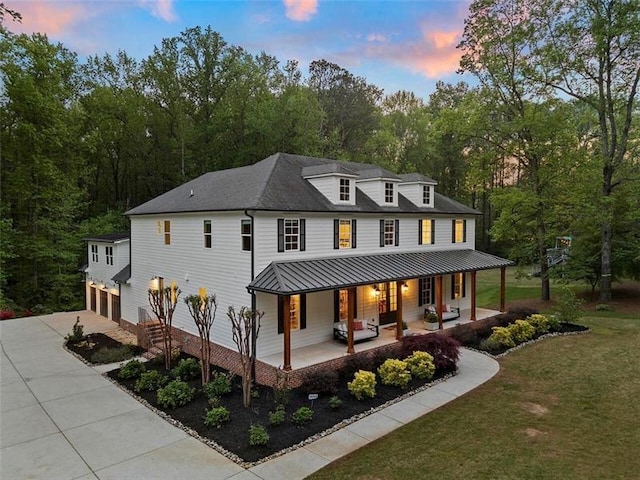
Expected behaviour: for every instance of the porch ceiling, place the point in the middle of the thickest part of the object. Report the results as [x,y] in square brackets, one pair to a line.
[302,276]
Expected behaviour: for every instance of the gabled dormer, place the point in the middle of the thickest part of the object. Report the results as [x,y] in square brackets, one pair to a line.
[334,181]
[418,189]
[380,185]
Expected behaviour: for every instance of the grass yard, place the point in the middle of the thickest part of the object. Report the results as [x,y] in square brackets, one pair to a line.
[564,408]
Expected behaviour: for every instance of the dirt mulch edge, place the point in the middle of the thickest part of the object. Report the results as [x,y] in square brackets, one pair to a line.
[244,464]
[527,343]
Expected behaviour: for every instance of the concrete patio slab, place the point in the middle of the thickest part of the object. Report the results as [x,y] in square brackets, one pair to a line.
[66,383]
[24,424]
[50,457]
[16,394]
[122,437]
[187,458]
[86,407]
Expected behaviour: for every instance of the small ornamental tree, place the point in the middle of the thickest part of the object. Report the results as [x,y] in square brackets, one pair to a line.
[203,310]
[163,301]
[245,325]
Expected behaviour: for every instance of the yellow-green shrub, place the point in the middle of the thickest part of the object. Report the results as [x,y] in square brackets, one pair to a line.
[395,372]
[539,322]
[521,331]
[420,364]
[363,384]
[502,336]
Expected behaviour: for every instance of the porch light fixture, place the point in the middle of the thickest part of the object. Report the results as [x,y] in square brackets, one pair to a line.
[405,287]
[376,290]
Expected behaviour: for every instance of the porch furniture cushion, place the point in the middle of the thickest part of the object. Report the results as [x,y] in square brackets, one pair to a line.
[368,332]
[451,314]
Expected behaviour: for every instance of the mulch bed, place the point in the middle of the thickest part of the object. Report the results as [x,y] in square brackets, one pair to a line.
[95,342]
[233,436]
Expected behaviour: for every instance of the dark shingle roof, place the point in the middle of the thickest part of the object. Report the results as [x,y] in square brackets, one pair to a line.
[416,177]
[276,184]
[302,276]
[109,238]
[123,275]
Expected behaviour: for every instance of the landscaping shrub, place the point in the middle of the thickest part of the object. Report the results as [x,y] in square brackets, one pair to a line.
[335,402]
[394,372]
[521,331]
[444,350]
[220,384]
[603,307]
[302,416]
[77,332]
[175,394]
[363,384]
[7,314]
[514,314]
[539,322]
[355,363]
[151,380]
[278,416]
[131,370]
[490,344]
[554,323]
[501,336]
[112,355]
[187,369]
[568,306]
[281,388]
[323,381]
[421,365]
[258,435]
[216,416]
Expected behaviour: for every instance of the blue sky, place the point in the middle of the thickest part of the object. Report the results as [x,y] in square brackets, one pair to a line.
[397,45]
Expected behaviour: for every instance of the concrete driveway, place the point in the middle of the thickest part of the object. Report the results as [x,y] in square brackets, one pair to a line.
[61,419]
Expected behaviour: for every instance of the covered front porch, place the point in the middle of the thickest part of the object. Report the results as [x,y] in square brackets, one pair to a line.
[430,278]
[324,351]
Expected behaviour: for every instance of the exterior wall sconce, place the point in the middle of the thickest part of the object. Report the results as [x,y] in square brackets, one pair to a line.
[405,287]
[376,290]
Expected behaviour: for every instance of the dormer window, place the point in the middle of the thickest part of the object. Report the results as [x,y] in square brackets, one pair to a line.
[388,192]
[345,189]
[426,194]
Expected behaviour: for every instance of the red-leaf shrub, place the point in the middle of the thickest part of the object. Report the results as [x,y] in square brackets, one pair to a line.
[7,314]
[444,350]
[323,381]
[27,313]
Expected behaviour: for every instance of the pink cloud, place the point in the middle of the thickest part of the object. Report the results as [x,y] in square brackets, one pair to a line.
[300,10]
[162,9]
[46,17]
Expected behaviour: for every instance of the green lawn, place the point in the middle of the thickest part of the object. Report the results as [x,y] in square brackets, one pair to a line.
[564,408]
[519,287]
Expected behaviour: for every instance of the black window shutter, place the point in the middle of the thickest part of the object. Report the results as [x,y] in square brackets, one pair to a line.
[453,231]
[353,233]
[302,234]
[433,231]
[382,233]
[355,302]
[464,284]
[280,314]
[303,311]
[336,234]
[464,230]
[420,290]
[281,234]
[453,287]
[336,305]
[397,232]
[420,232]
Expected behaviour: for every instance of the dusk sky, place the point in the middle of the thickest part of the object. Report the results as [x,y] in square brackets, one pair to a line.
[396,45]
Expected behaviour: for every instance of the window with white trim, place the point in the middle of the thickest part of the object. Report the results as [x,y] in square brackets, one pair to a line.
[426,194]
[294,312]
[427,231]
[291,234]
[344,233]
[108,251]
[345,189]
[389,232]
[388,192]
[458,286]
[206,231]
[426,291]
[94,253]
[245,233]
[167,232]
[459,231]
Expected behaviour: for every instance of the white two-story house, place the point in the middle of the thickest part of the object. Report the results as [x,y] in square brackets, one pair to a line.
[309,242]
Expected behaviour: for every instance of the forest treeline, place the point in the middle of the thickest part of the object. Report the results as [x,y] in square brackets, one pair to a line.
[83,141]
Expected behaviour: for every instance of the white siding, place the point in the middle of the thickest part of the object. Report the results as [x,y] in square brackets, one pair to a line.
[327,186]
[413,192]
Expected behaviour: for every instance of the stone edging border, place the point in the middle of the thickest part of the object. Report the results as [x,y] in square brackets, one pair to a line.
[236,459]
[527,343]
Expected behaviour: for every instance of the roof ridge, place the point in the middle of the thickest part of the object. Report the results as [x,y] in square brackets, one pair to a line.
[260,193]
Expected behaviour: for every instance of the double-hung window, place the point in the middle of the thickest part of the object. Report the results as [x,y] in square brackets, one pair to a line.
[458,286]
[426,291]
[108,251]
[297,312]
[388,192]
[164,227]
[245,232]
[206,231]
[458,231]
[345,189]
[426,194]
[426,231]
[291,234]
[94,253]
[344,233]
[389,233]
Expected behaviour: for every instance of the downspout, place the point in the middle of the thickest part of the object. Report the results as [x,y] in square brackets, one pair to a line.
[253,302]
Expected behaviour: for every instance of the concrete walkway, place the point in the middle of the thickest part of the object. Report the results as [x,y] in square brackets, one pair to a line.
[60,419]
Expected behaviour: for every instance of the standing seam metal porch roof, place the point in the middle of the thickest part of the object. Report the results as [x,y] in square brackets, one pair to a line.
[304,276]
